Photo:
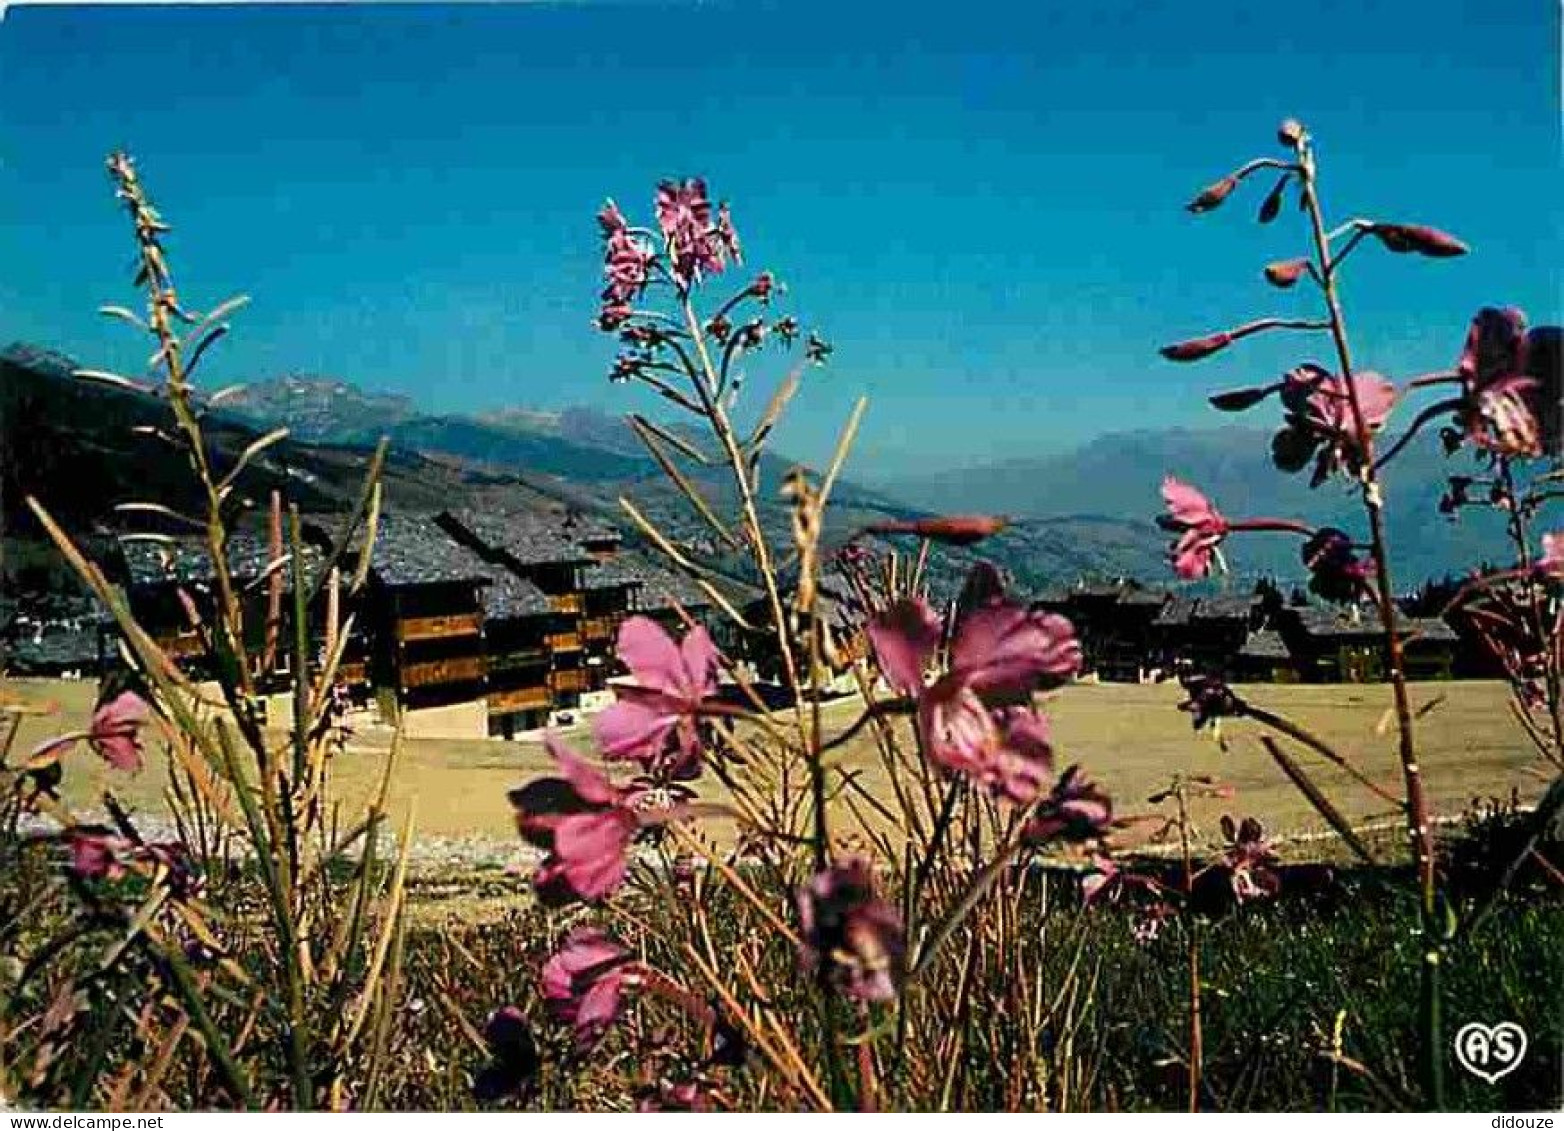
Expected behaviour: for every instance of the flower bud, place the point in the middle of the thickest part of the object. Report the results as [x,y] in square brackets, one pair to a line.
[1271,206]
[1213,195]
[1284,273]
[1237,400]
[952,530]
[1197,348]
[1290,133]
[1418,238]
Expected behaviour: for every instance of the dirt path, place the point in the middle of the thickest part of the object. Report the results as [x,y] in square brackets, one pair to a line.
[1130,738]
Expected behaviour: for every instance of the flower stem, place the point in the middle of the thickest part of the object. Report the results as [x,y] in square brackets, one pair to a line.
[1419,829]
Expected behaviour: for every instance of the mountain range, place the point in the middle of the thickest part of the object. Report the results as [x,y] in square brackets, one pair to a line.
[1085,513]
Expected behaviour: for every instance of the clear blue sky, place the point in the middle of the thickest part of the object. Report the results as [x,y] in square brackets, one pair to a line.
[980,202]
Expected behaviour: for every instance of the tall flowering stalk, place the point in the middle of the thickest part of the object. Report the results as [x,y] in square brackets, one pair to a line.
[867,896]
[1334,418]
[324,999]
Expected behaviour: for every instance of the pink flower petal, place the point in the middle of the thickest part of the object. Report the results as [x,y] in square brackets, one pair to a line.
[635,727]
[651,655]
[1186,504]
[699,658]
[1006,649]
[590,785]
[599,1006]
[116,729]
[905,637]
[1552,560]
[591,848]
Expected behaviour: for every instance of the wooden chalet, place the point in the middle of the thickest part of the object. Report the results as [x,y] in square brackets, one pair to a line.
[1331,646]
[160,576]
[1205,633]
[836,602]
[1114,622]
[1265,658]
[531,547]
[424,615]
[519,621]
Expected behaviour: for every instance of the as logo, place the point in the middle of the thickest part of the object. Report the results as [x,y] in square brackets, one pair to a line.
[1490,1051]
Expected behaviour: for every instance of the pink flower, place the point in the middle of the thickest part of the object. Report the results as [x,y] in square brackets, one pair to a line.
[975,719]
[1511,381]
[1249,860]
[627,265]
[1147,925]
[610,219]
[669,1095]
[1336,572]
[672,682]
[905,637]
[695,247]
[1199,525]
[584,822]
[1320,424]
[97,854]
[584,981]
[1552,560]
[1075,810]
[1105,880]
[857,935]
[728,236]
[1006,751]
[116,730]
[1330,408]
[115,734]
[1502,420]
[1495,347]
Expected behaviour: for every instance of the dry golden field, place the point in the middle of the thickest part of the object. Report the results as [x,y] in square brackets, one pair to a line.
[1131,738]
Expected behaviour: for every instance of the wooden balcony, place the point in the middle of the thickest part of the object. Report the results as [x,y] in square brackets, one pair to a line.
[518,658]
[564,641]
[570,679]
[565,602]
[457,669]
[437,628]
[518,699]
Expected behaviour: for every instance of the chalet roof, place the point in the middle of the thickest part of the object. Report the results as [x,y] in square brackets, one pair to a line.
[1178,610]
[1152,598]
[527,537]
[1331,623]
[511,597]
[1224,606]
[185,561]
[410,551]
[611,574]
[1267,644]
[583,528]
[661,588]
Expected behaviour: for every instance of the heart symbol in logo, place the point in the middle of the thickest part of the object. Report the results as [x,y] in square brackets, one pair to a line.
[1490,1051]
